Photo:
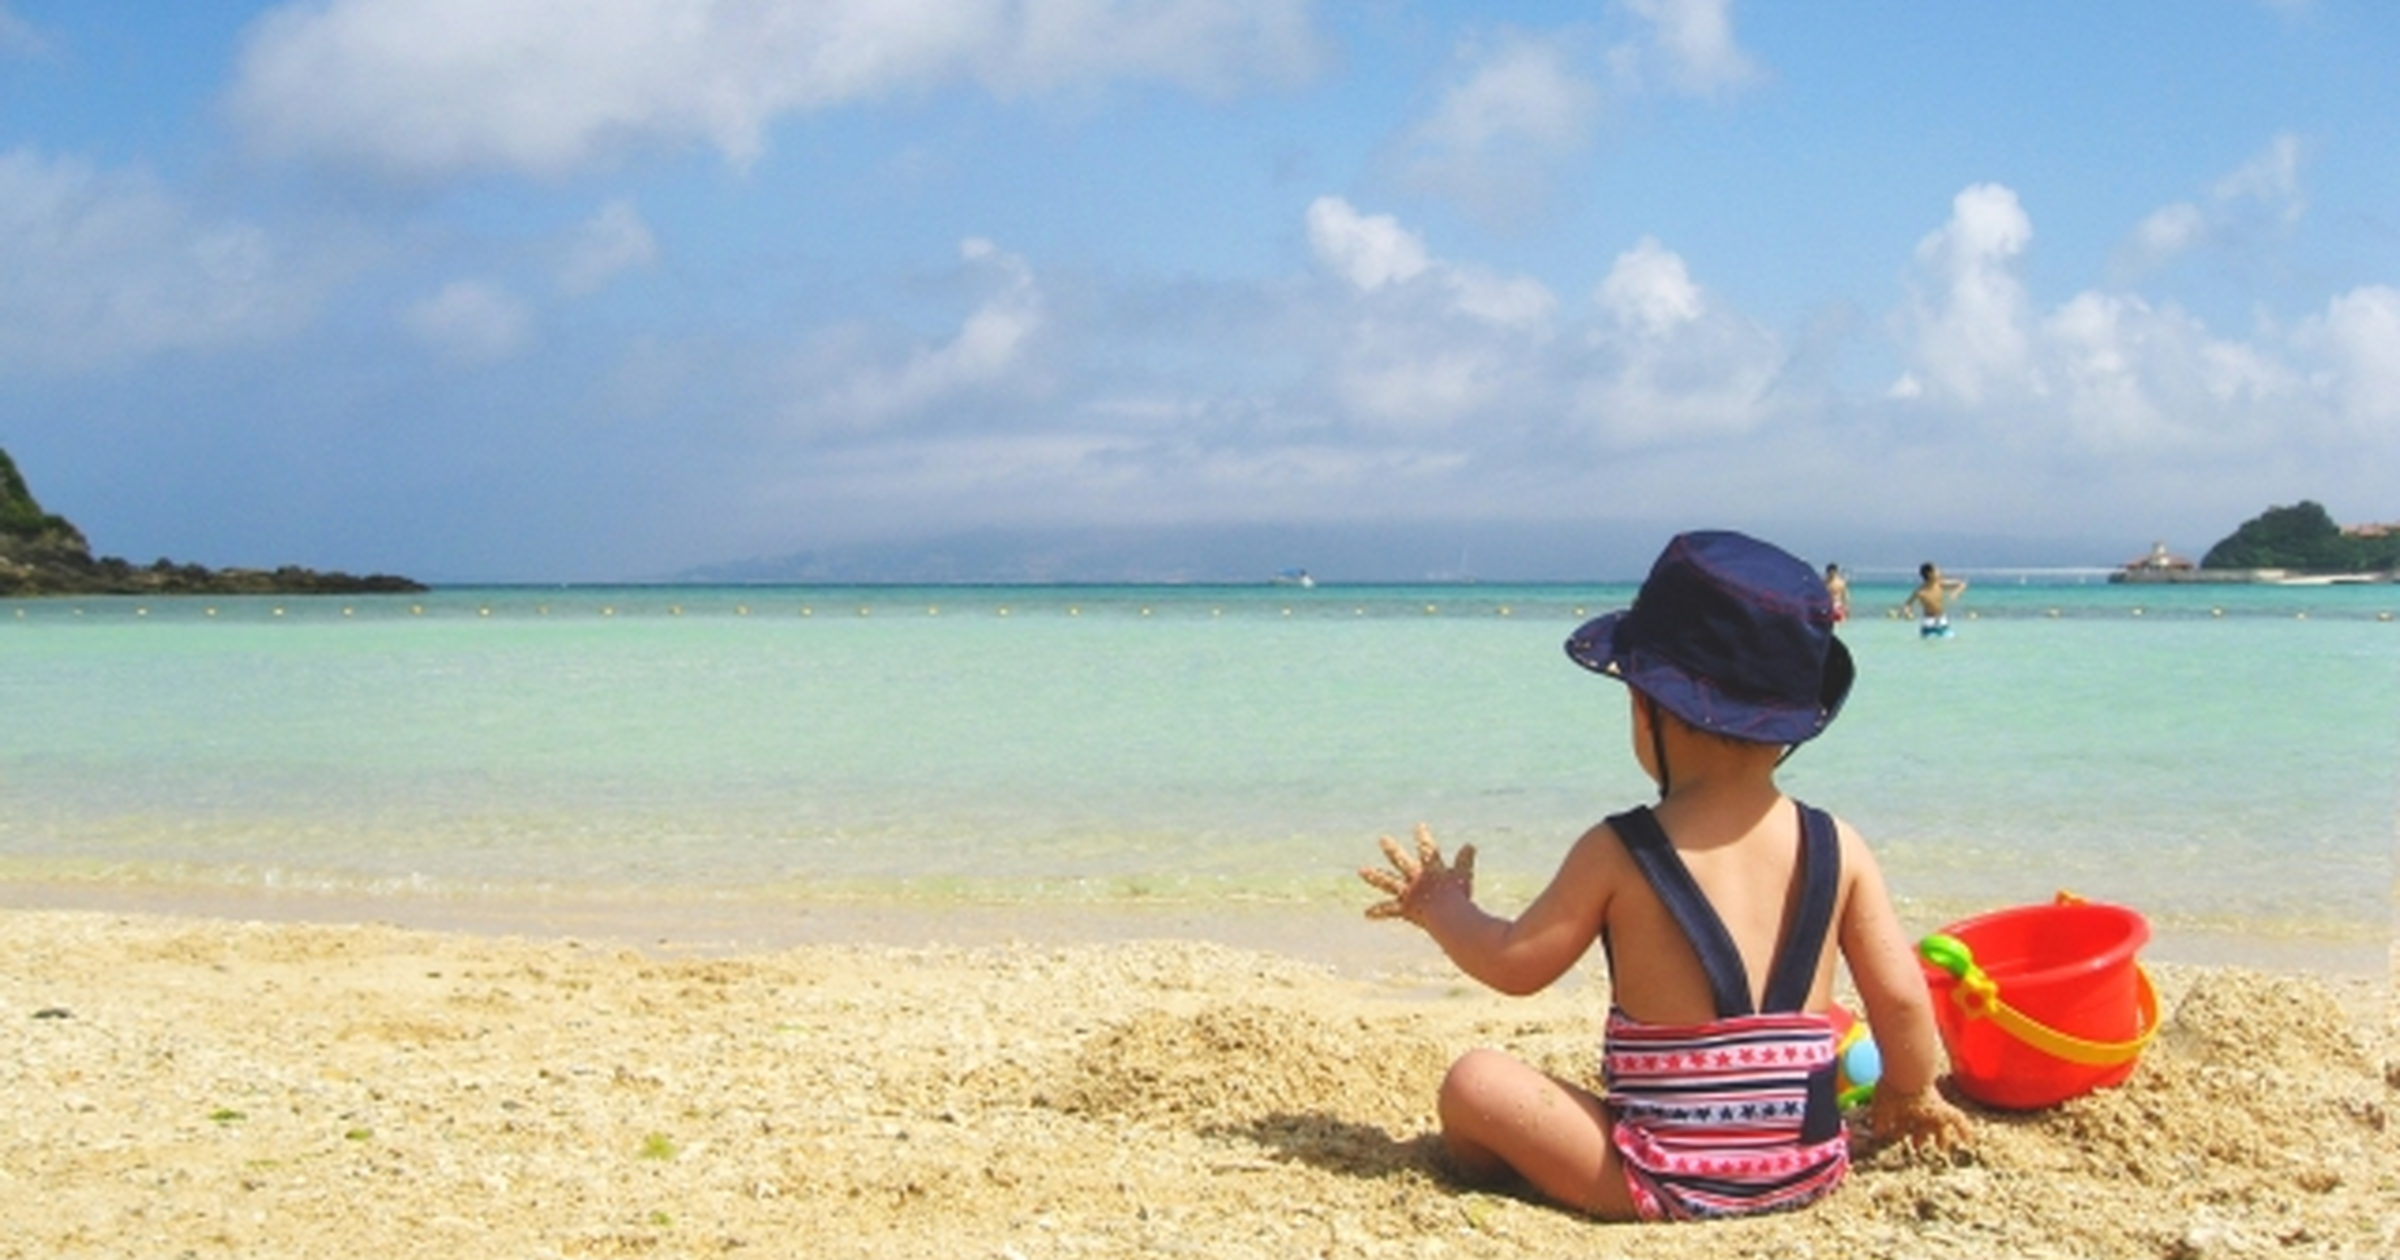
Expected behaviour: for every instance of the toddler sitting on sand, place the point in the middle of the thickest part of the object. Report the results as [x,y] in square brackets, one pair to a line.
[1720,1088]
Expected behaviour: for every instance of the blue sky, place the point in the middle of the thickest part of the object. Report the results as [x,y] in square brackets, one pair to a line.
[618,289]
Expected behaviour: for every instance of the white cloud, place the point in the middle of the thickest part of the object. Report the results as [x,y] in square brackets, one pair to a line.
[1370,251]
[1427,342]
[2270,178]
[988,355]
[2167,232]
[1967,329]
[2115,373]
[101,266]
[608,244]
[1690,45]
[1671,364]
[1426,346]
[2267,186]
[2357,343]
[425,89]
[1494,139]
[1215,47]
[1518,89]
[1520,105]
[470,321]
[1650,291]
[1519,302]
[2132,377]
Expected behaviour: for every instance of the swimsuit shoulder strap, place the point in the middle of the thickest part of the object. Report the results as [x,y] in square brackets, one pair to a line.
[1795,969]
[1728,980]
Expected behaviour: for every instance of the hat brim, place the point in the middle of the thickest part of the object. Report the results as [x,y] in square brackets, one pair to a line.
[1702,704]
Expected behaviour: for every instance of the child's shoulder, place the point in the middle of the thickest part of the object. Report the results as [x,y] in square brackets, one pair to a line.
[1604,847]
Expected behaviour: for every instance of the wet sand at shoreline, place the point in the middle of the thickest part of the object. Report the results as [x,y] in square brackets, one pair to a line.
[1340,937]
[203,1086]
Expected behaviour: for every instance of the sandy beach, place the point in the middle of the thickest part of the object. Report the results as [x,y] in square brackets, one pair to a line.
[213,1087]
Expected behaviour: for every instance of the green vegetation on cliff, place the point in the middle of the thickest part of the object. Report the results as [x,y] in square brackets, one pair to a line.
[2303,537]
[44,554]
[21,517]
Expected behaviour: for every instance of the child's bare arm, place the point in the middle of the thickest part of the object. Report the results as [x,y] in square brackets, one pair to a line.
[1515,956]
[1899,1010]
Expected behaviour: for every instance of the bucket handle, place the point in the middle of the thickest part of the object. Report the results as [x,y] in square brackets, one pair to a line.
[1979,997]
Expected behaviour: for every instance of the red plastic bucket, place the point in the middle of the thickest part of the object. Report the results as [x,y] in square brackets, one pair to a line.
[2052,1005]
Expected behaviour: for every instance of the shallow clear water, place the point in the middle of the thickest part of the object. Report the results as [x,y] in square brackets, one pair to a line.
[2222,757]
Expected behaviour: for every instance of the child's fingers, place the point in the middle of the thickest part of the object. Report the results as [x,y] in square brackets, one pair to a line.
[1401,861]
[1427,851]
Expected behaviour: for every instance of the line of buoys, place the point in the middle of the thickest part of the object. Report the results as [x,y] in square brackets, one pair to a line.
[1152,611]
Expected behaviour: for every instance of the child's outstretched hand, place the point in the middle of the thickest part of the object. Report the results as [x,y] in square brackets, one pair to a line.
[1415,883]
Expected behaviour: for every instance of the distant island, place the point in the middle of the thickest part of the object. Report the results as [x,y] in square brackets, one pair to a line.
[2296,544]
[44,554]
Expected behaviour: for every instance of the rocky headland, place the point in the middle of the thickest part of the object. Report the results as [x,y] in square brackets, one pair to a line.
[45,554]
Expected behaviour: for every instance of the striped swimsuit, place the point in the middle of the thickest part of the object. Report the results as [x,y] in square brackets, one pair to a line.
[1736,1116]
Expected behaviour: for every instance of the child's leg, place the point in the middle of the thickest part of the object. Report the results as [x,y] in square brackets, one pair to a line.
[1500,1114]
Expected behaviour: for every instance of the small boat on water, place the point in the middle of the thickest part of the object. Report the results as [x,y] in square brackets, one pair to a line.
[1294,577]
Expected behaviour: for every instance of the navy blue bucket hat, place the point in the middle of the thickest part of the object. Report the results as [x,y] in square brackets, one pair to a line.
[1733,635]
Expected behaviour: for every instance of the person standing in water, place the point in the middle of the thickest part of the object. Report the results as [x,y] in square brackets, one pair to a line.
[1931,600]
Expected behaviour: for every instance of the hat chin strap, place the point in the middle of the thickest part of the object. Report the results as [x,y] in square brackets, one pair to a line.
[1658,744]
[1658,741]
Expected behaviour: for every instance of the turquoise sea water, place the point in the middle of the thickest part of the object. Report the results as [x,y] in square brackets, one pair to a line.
[2227,759]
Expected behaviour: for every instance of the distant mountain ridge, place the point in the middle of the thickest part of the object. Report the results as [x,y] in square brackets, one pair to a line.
[1348,552]
[42,553]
